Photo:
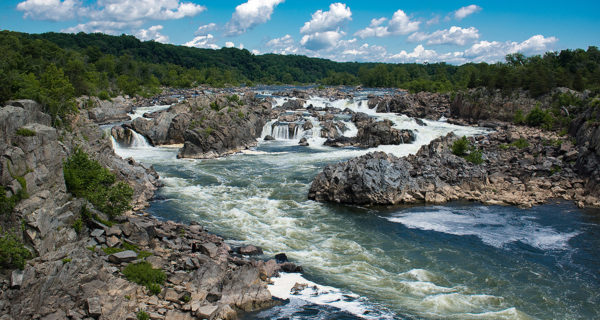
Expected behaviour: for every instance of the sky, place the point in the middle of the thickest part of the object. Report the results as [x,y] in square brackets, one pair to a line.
[455,32]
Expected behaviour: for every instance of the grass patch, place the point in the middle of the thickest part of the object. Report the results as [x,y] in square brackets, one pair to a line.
[66,260]
[142,273]
[475,157]
[24,132]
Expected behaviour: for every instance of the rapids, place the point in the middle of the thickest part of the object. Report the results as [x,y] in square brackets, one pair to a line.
[457,261]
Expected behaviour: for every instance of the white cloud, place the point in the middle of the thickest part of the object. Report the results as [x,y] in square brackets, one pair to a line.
[152,33]
[283,45]
[229,44]
[250,14]
[454,35]
[466,11]
[419,54]
[496,51]
[204,41]
[108,16]
[108,27]
[54,10]
[327,20]
[203,30]
[400,24]
[129,10]
[321,40]
[255,52]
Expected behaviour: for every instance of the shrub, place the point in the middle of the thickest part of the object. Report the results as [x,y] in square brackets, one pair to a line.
[519,118]
[25,132]
[535,117]
[142,315]
[86,178]
[475,157]
[13,253]
[521,143]
[143,273]
[103,95]
[460,146]
[7,204]
[78,225]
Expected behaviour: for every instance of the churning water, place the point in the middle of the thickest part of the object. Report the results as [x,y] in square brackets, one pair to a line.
[457,261]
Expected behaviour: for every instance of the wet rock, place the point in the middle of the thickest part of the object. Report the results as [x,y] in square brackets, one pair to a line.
[303,142]
[268,138]
[250,250]
[290,267]
[281,258]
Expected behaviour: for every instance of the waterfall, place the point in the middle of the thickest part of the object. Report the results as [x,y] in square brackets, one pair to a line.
[138,140]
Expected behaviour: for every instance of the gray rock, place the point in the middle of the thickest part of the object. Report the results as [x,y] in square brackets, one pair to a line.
[96,233]
[205,312]
[16,279]
[123,256]
[209,249]
[94,307]
[250,250]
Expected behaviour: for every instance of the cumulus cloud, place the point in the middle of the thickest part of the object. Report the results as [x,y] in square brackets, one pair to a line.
[108,16]
[108,27]
[400,24]
[203,30]
[327,20]
[454,35]
[466,11]
[152,33]
[204,41]
[496,51]
[419,54]
[53,10]
[321,40]
[283,45]
[229,44]
[250,14]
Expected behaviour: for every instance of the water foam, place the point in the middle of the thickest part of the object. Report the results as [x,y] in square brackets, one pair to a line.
[491,226]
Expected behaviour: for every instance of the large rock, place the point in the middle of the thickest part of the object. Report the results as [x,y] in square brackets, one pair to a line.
[419,105]
[107,111]
[224,127]
[372,134]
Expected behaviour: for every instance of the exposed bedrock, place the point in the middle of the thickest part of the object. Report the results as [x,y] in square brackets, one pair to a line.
[525,175]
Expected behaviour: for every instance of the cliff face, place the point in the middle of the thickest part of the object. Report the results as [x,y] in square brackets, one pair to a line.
[586,129]
[72,273]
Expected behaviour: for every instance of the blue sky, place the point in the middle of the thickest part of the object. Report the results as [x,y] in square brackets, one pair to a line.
[388,31]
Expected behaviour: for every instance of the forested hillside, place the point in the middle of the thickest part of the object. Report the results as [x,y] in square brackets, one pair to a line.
[55,67]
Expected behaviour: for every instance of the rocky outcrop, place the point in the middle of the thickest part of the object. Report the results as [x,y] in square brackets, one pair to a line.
[418,105]
[372,134]
[224,126]
[107,111]
[541,170]
[586,130]
[73,274]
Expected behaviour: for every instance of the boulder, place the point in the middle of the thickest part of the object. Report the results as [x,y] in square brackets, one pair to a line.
[123,256]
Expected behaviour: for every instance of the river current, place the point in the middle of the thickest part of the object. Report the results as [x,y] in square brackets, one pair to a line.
[455,261]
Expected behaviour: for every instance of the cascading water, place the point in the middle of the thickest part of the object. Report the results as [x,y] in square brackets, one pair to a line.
[458,261]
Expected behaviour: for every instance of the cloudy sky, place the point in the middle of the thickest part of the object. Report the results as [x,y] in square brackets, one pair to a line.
[389,31]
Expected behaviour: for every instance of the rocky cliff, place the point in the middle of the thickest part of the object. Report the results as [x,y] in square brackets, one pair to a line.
[79,259]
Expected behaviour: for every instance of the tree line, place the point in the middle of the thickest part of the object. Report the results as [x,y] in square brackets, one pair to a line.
[52,68]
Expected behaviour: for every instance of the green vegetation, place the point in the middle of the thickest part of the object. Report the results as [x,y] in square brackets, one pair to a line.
[463,148]
[519,118]
[475,157]
[142,315]
[25,132]
[87,178]
[143,273]
[13,253]
[66,260]
[7,204]
[53,68]
[521,143]
[460,146]
[78,225]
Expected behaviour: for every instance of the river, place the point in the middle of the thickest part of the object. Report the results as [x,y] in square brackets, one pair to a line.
[455,261]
